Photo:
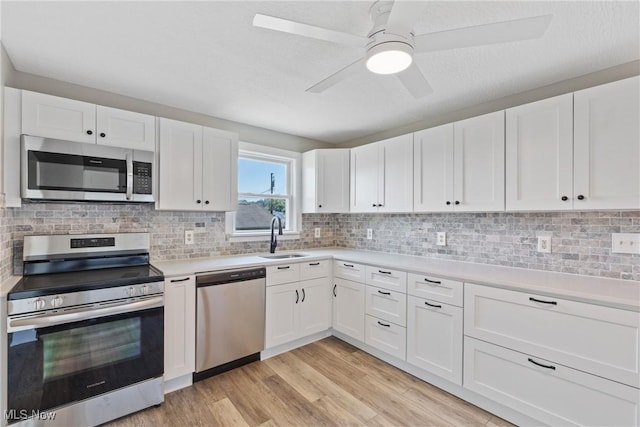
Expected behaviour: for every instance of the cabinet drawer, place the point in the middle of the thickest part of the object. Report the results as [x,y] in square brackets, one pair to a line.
[286,273]
[348,270]
[387,278]
[554,395]
[386,305]
[595,339]
[434,338]
[385,336]
[435,288]
[314,269]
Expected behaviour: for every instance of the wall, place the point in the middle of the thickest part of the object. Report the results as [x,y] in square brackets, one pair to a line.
[607,75]
[581,241]
[166,228]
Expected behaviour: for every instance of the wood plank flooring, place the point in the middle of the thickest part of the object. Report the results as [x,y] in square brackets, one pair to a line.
[325,383]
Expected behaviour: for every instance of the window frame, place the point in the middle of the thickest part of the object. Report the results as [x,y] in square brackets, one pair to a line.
[293,186]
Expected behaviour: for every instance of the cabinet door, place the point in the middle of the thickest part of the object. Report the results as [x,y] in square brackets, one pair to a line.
[607,146]
[315,306]
[539,155]
[478,151]
[434,338]
[364,178]
[433,169]
[120,128]
[219,170]
[180,166]
[395,193]
[60,118]
[551,393]
[348,308]
[179,326]
[281,319]
[332,181]
[385,336]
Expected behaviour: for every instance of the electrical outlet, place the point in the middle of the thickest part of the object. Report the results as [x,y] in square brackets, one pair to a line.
[442,238]
[544,244]
[188,237]
[625,243]
[317,233]
[369,233]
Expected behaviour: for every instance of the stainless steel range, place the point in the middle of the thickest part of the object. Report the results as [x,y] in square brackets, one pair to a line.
[85,330]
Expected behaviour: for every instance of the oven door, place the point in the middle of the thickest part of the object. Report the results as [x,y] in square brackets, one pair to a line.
[52,366]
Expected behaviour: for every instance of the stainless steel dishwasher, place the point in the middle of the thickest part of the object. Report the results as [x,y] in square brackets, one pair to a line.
[229,320]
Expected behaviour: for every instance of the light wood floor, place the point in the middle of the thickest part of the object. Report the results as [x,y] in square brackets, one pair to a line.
[328,382]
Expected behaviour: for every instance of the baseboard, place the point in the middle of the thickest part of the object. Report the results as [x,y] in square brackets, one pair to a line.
[177,383]
[283,348]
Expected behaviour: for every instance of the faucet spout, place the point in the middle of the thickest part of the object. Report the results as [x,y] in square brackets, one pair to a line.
[274,239]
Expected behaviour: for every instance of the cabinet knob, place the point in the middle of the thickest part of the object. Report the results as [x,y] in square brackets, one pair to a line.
[102,134]
[374,205]
[448,202]
[457,202]
[580,197]
[206,202]
[380,205]
[89,132]
[198,201]
[319,206]
[564,198]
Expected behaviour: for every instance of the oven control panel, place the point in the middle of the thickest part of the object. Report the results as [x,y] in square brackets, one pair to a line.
[95,296]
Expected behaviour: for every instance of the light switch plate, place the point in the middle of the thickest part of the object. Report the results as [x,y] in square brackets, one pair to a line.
[544,244]
[625,243]
[316,234]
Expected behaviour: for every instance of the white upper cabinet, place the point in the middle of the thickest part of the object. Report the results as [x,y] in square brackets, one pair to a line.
[197,168]
[120,128]
[325,181]
[606,146]
[460,166]
[382,176]
[539,155]
[61,118]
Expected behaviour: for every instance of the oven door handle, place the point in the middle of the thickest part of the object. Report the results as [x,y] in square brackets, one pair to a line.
[84,314]
[129,176]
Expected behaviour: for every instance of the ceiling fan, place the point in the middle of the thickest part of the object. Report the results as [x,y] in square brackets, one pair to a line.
[390,45]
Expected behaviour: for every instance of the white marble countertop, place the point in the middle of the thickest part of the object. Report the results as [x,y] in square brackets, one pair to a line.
[598,290]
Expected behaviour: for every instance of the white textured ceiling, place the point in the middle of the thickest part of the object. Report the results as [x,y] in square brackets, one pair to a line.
[206,57]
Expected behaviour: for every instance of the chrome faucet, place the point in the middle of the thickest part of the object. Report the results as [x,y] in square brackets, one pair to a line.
[274,239]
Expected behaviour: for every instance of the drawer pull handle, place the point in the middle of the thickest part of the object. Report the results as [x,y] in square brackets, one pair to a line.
[384,293]
[179,280]
[436,282]
[384,324]
[286,267]
[334,290]
[348,265]
[297,296]
[433,305]
[314,263]
[541,365]
[542,302]
[384,272]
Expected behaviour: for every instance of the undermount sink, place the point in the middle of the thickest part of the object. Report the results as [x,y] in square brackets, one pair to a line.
[282,256]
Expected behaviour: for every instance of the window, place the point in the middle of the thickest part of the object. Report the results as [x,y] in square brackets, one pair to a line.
[267,184]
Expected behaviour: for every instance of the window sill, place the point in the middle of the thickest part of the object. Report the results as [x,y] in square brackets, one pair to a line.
[261,237]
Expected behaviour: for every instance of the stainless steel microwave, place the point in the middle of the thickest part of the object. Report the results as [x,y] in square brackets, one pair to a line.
[52,169]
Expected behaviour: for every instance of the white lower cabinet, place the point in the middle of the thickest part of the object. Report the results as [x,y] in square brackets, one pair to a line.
[434,338]
[179,326]
[546,391]
[348,308]
[385,336]
[295,310]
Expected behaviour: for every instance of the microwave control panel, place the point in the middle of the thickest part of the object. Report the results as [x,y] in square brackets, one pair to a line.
[142,178]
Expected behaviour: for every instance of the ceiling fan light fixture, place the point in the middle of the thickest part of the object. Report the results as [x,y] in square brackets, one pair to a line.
[389,57]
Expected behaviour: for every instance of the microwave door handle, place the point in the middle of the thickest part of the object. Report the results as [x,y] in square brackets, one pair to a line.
[129,176]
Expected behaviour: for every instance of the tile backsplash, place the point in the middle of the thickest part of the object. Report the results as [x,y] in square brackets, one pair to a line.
[581,241]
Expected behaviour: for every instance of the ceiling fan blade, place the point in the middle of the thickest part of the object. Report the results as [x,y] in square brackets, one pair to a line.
[305,30]
[415,82]
[346,72]
[403,16]
[479,35]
